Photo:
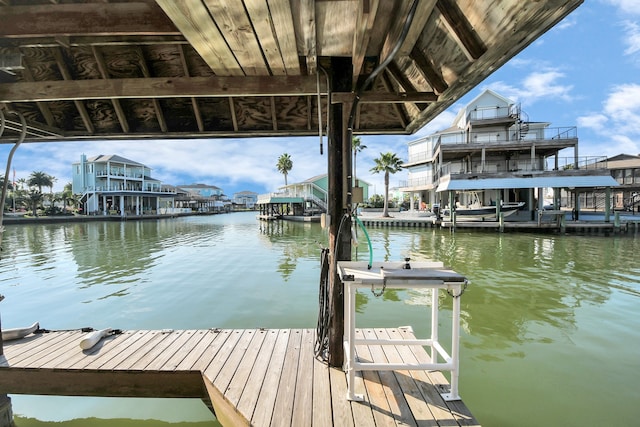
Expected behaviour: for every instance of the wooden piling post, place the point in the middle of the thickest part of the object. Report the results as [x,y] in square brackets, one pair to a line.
[339,180]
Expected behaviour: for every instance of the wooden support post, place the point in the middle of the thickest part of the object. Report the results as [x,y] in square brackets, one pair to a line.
[1,341]
[607,204]
[6,413]
[339,176]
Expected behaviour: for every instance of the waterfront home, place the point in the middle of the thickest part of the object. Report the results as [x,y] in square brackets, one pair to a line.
[306,198]
[202,198]
[493,154]
[625,169]
[114,185]
[246,199]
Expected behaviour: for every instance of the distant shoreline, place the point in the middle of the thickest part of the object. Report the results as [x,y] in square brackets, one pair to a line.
[15,220]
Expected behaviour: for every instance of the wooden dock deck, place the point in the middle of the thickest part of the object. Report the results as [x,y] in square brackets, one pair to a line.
[261,377]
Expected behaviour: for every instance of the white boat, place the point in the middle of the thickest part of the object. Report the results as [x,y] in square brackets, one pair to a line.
[17,333]
[484,212]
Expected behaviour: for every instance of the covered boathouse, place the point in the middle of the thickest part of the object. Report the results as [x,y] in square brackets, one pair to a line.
[148,70]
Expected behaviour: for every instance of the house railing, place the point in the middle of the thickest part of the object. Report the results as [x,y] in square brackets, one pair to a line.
[514,135]
[120,189]
[523,165]
[492,113]
[416,182]
[309,192]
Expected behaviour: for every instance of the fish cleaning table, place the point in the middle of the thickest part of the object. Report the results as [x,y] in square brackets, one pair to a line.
[402,275]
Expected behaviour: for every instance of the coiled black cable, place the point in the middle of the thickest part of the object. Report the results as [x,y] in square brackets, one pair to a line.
[321,349]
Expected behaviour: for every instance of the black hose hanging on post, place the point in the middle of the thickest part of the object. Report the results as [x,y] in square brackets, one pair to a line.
[321,347]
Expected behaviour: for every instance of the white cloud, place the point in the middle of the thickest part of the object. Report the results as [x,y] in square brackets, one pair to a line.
[627,7]
[596,122]
[538,85]
[623,107]
[617,127]
[632,38]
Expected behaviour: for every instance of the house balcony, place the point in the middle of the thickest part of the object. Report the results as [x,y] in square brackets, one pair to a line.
[130,190]
[524,166]
[547,141]
[119,174]
[494,116]
[417,184]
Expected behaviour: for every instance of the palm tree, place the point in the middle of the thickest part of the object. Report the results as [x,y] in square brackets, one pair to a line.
[388,163]
[67,196]
[9,185]
[357,146]
[33,199]
[40,179]
[284,166]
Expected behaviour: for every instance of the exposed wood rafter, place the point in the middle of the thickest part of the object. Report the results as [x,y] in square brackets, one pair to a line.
[263,26]
[305,10]
[96,19]
[82,110]
[102,67]
[365,17]
[385,98]
[274,114]
[461,30]
[403,81]
[194,101]
[433,77]
[282,16]
[235,26]
[156,103]
[43,107]
[160,87]
[194,21]
[402,116]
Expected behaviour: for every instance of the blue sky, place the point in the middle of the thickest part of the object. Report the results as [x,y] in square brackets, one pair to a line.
[584,72]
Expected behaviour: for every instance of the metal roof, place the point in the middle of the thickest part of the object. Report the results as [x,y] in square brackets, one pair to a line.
[530,182]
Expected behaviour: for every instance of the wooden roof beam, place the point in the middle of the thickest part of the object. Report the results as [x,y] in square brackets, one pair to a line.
[235,27]
[311,36]
[43,107]
[366,17]
[274,115]
[234,117]
[264,28]
[192,18]
[82,110]
[385,98]
[403,81]
[418,22]
[160,87]
[402,116]
[102,67]
[433,77]
[85,19]
[78,41]
[282,16]
[461,30]
[194,101]
[156,103]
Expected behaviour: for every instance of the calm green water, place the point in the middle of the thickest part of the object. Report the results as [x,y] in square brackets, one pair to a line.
[551,334]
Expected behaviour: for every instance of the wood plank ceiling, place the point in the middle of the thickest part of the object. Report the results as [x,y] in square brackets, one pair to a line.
[111,69]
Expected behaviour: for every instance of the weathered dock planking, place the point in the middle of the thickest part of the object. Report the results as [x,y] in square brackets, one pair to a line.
[261,377]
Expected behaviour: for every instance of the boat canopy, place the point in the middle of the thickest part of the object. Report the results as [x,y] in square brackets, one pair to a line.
[529,182]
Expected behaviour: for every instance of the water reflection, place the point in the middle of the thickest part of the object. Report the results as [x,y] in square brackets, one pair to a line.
[295,241]
[541,318]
